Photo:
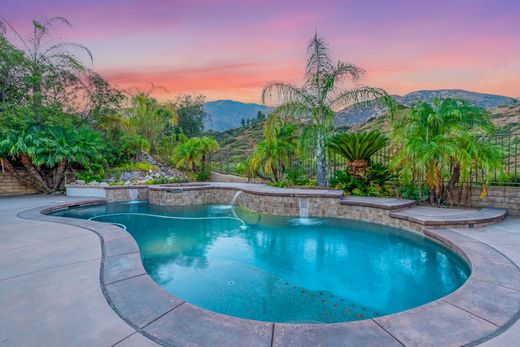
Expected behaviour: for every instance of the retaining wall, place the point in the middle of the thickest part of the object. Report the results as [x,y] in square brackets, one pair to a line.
[9,185]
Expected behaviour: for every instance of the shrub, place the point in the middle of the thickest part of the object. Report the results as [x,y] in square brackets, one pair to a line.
[419,192]
[371,184]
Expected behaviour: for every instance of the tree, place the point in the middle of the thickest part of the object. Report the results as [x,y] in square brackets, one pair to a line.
[272,154]
[191,114]
[192,154]
[357,148]
[442,143]
[148,118]
[260,116]
[320,95]
[243,122]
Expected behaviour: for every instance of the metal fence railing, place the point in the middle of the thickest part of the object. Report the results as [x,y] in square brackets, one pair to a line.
[227,161]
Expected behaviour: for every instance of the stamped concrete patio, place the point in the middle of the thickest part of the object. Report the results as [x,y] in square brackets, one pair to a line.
[50,281]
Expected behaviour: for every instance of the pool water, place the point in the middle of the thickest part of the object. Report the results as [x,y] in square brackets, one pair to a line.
[284,269]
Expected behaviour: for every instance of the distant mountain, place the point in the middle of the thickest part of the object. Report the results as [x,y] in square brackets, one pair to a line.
[488,101]
[357,114]
[226,114]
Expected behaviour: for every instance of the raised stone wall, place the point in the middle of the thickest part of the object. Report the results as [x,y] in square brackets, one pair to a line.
[117,194]
[278,205]
[218,177]
[497,197]
[9,185]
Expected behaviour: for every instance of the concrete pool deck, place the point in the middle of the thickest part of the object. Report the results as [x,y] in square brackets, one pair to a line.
[51,292]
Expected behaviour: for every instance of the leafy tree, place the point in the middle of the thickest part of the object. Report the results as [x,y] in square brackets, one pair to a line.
[243,122]
[357,148]
[148,118]
[191,114]
[260,116]
[320,95]
[442,143]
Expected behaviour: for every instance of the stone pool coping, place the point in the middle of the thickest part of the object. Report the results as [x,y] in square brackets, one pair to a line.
[484,306]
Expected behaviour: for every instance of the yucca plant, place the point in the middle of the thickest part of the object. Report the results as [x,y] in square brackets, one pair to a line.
[358,148]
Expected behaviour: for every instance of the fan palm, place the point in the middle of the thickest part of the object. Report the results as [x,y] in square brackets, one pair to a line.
[321,95]
[357,148]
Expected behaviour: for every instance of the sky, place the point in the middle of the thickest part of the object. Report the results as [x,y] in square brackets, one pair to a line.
[230,49]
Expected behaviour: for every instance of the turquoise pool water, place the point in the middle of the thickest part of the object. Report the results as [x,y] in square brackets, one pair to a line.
[283,269]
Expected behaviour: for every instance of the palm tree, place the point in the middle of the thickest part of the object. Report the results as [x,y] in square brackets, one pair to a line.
[49,63]
[192,153]
[272,154]
[357,148]
[207,145]
[442,143]
[321,95]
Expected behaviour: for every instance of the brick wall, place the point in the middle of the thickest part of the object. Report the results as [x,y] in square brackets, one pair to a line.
[9,185]
[498,197]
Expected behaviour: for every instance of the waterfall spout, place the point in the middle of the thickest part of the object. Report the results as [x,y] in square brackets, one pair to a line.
[133,194]
[304,208]
[235,197]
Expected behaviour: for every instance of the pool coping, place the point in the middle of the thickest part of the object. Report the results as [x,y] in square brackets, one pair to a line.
[468,316]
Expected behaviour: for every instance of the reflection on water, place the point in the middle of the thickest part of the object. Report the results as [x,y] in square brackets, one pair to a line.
[286,269]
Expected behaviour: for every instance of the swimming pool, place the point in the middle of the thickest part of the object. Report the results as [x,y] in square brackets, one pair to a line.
[283,269]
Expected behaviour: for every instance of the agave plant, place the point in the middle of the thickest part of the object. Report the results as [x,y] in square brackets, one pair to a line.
[358,148]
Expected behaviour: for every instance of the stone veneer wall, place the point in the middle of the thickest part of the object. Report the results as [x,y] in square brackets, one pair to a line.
[279,205]
[498,197]
[123,194]
[9,185]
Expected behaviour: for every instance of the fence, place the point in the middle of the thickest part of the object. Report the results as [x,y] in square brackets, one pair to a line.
[225,161]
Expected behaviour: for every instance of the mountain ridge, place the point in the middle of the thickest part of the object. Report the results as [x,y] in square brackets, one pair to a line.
[227,114]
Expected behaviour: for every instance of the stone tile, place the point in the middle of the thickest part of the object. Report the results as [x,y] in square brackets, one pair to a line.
[121,267]
[188,325]
[120,246]
[361,333]
[436,324]
[480,298]
[502,274]
[140,300]
[137,340]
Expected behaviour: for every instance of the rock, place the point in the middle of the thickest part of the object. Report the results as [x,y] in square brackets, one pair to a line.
[104,184]
[93,183]
[80,182]
[128,183]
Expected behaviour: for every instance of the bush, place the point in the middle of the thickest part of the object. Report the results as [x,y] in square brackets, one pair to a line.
[166,180]
[372,183]
[142,166]
[419,192]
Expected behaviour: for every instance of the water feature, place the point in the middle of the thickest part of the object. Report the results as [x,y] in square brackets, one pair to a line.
[133,194]
[336,271]
[304,208]
[235,197]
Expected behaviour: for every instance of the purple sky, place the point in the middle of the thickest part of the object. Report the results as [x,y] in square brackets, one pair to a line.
[229,49]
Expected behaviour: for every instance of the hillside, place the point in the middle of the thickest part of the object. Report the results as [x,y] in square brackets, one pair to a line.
[226,114]
[357,114]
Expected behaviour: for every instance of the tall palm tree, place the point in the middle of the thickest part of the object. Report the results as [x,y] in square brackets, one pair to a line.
[321,95]
[48,63]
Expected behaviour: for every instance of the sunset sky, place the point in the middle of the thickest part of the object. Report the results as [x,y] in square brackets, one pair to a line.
[229,49]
